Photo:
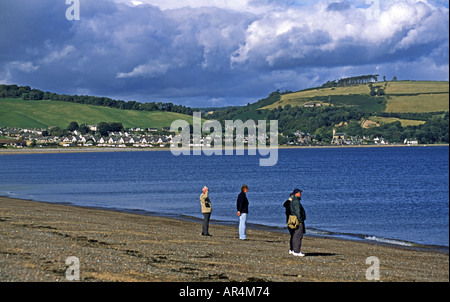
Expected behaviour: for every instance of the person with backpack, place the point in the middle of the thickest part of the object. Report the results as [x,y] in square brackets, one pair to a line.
[287,206]
[296,209]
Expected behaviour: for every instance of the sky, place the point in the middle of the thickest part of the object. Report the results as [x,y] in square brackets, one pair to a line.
[214,53]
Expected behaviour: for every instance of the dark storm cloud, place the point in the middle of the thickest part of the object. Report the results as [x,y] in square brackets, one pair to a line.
[215,52]
[338,6]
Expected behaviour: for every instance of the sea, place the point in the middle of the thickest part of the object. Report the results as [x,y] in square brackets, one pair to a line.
[385,195]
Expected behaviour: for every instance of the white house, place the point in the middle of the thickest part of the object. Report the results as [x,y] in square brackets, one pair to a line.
[380,141]
[410,142]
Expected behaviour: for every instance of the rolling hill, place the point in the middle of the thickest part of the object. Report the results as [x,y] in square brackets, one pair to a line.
[396,110]
[16,112]
[397,97]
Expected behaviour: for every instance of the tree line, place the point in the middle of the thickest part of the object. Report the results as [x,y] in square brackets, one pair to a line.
[363,79]
[103,129]
[26,93]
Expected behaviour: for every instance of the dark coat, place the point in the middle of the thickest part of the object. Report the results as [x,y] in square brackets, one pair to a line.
[298,210]
[242,203]
[287,206]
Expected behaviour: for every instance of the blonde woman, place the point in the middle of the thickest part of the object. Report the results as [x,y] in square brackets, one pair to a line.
[206,210]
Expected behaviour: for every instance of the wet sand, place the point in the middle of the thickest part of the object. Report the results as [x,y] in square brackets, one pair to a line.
[36,239]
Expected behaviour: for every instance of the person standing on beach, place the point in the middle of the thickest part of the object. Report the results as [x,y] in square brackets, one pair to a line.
[242,211]
[297,209]
[287,206]
[206,210]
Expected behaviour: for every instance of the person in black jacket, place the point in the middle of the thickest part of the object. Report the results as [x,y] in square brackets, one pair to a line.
[287,206]
[297,209]
[242,211]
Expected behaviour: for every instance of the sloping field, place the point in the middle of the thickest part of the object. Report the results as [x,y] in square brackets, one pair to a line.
[417,96]
[419,87]
[42,114]
[320,95]
[418,103]
[387,120]
[400,97]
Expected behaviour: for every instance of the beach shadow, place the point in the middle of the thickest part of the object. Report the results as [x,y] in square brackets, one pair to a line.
[319,254]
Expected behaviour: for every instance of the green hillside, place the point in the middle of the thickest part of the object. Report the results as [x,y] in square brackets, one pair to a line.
[16,112]
[396,111]
[398,97]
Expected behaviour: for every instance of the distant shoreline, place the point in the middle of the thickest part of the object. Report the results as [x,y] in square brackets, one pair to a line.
[130,149]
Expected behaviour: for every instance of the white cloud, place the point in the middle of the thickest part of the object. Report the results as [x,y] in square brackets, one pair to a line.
[23,66]
[217,50]
[58,55]
[137,3]
[150,69]
[236,5]
[298,33]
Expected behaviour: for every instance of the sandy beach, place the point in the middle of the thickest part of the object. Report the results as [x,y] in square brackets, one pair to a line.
[37,238]
[12,151]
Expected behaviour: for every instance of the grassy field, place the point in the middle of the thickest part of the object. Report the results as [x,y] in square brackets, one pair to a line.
[400,97]
[419,103]
[324,96]
[387,120]
[42,114]
[412,87]
[418,96]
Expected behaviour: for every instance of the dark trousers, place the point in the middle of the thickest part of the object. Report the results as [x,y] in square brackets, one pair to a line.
[206,217]
[296,238]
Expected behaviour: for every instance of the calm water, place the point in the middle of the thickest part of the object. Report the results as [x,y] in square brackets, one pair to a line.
[396,195]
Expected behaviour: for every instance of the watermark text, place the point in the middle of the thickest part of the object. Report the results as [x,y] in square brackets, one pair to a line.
[234,138]
[73,271]
[373,272]
[73,11]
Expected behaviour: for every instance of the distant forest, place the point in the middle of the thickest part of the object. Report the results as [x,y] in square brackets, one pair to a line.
[26,93]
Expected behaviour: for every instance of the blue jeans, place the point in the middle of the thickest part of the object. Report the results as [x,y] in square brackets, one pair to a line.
[242,226]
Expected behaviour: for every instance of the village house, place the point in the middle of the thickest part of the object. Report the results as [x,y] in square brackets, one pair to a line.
[303,138]
[11,132]
[113,140]
[339,138]
[35,137]
[19,143]
[32,131]
[126,140]
[92,127]
[312,105]
[410,141]
[380,141]
[101,141]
